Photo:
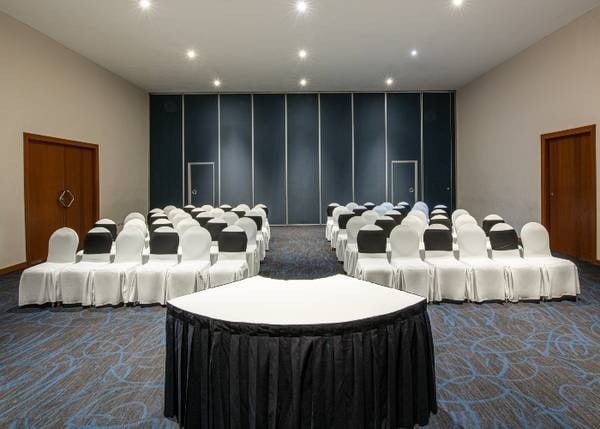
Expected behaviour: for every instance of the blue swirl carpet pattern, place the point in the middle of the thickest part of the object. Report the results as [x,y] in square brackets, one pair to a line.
[527,365]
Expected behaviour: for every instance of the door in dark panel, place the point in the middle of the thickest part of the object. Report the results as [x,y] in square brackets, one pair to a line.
[201,183]
[303,158]
[269,154]
[404,181]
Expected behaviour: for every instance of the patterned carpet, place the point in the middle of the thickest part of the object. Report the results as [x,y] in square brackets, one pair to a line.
[503,366]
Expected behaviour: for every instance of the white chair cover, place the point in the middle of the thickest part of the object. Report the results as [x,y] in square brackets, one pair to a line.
[335,228]
[231,265]
[179,217]
[352,205]
[38,283]
[184,225]
[370,216]
[416,223]
[372,264]
[156,210]
[420,214]
[380,210]
[462,221]
[561,277]
[252,252]
[329,223]
[422,207]
[261,238]
[134,215]
[266,228]
[230,217]
[351,253]
[458,212]
[168,209]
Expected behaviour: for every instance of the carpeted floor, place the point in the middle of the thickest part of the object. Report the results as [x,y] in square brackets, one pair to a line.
[504,366]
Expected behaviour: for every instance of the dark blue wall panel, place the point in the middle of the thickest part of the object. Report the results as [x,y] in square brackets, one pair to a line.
[165,150]
[303,158]
[437,148]
[369,147]
[404,133]
[202,136]
[269,154]
[336,150]
[236,149]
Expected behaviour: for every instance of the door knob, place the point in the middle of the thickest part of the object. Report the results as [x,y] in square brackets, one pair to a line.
[411,189]
[194,192]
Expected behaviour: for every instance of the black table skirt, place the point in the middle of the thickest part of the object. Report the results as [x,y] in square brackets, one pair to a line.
[370,373]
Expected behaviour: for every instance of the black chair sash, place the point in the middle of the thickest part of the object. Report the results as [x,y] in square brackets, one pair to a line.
[97,243]
[188,209]
[371,241]
[369,206]
[445,221]
[504,240]
[344,218]
[233,241]
[359,210]
[240,213]
[330,210]
[265,208]
[155,226]
[164,243]
[488,224]
[203,220]
[438,240]
[215,229]
[225,208]
[402,209]
[257,220]
[112,228]
[387,225]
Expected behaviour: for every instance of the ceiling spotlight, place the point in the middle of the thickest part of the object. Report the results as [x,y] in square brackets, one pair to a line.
[457,3]
[302,53]
[389,81]
[414,53]
[301,6]
[303,82]
[191,54]
[216,83]
[145,4]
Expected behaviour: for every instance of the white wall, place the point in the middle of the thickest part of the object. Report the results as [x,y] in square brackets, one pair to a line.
[551,86]
[47,89]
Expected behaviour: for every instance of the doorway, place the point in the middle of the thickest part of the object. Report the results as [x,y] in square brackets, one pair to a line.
[201,183]
[405,181]
[569,191]
[61,189]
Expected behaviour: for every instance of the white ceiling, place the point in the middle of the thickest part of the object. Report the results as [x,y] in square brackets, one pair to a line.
[252,45]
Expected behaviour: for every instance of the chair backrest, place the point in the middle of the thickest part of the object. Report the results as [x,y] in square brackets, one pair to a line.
[387,224]
[249,227]
[184,225]
[156,216]
[464,220]
[402,209]
[160,223]
[168,209]
[369,205]
[195,212]
[359,210]
[188,208]
[108,224]
[380,210]
[262,213]
[458,212]
[244,207]
[137,224]
[387,205]
[404,242]
[415,223]
[343,220]
[442,207]
[420,214]
[164,241]
[215,226]
[489,221]
[178,218]
[396,215]
[351,205]
[262,206]
[337,212]
[354,225]
[206,207]
[173,213]
[441,212]
[217,212]
[225,207]
[156,210]
[62,246]
[438,241]
[195,244]
[441,220]
[204,217]
[238,211]
[134,215]
[370,216]
[129,245]
[233,243]
[504,241]
[97,244]
[371,239]
[471,242]
[422,207]
[330,209]
[536,241]
[230,217]
[256,217]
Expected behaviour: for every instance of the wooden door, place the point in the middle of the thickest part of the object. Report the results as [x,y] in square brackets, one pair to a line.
[569,191]
[61,189]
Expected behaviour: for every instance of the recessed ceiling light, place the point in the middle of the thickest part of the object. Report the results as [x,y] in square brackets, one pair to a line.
[301,6]
[303,82]
[216,83]
[389,81]
[457,3]
[302,53]
[191,54]
[414,53]
[145,4]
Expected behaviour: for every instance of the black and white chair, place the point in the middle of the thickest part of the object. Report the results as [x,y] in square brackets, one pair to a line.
[38,283]
[329,224]
[524,278]
[203,218]
[372,264]
[110,225]
[411,273]
[74,285]
[359,210]
[266,229]
[184,225]
[370,216]
[230,217]
[342,236]
[369,205]
[151,278]
[351,254]
[225,207]
[134,215]
[261,237]
[456,213]
[160,223]
[188,208]
[420,214]
[239,211]
[396,215]
[113,283]
[336,228]
[214,227]
[561,277]
[462,221]
[231,265]
[441,220]
[191,274]
[252,251]
[153,212]
[489,221]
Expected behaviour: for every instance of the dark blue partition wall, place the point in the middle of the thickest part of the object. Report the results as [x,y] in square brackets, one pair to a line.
[201,149]
[303,158]
[236,149]
[269,154]
[336,150]
[165,150]
[404,146]
[437,148]
[369,147]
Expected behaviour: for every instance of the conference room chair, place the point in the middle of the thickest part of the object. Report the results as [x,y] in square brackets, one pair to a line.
[110,225]
[456,213]
[329,223]
[486,277]
[191,274]
[151,278]
[396,215]
[157,216]
[74,285]
[134,215]
[524,278]
[179,217]
[217,212]
[388,205]
[420,214]
[261,238]
[188,208]
[252,249]
[176,212]
[351,205]
[214,227]
[422,207]
[441,212]
[359,210]
[184,225]
[206,207]
[342,235]
[241,212]
[262,206]
[336,227]
[380,210]
[112,284]
[225,207]
[230,217]
[159,223]
[231,265]
[370,216]
[450,276]
[462,221]
[351,253]
[387,224]
[266,228]
[439,219]
[38,283]
[411,273]
[489,221]
[369,205]
[203,218]
[561,277]
[372,264]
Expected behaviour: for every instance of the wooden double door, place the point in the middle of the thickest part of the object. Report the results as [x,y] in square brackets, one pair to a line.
[61,189]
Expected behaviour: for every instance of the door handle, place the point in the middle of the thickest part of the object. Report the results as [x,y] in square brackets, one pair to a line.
[70,198]
[411,189]
[194,192]
[61,198]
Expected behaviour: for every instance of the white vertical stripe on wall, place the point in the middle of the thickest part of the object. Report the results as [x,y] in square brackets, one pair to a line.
[219,143]
[320,193]
[352,114]
[286,161]
[252,125]
[183,150]
[385,132]
[422,156]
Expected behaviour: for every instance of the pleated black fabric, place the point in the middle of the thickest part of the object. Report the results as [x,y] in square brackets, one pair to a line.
[240,213]
[371,240]
[387,225]
[369,206]
[215,229]
[155,226]
[375,373]
[232,241]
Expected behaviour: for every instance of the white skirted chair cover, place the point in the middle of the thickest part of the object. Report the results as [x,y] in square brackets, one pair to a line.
[524,278]
[388,205]
[329,223]
[411,273]
[244,207]
[231,265]
[561,277]
[239,211]
[351,205]
[217,212]
[252,251]
[214,227]
[38,283]
[266,229]
[387,224]
[191,274]
[335,228]
[458,212]
[151,278]
[342,236]
[462,221]
[74,285]
[420,214]
[370,216]
[261,238]
[489,221]
[160,223]
[113,283]
[486,279]
[417,224]
[204,217]
[449,275]
[230,217]
[184,225]
[134,215]
[168,209]
[110,225]
[179,217]
[372,264]
[422,207]
[351,254]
